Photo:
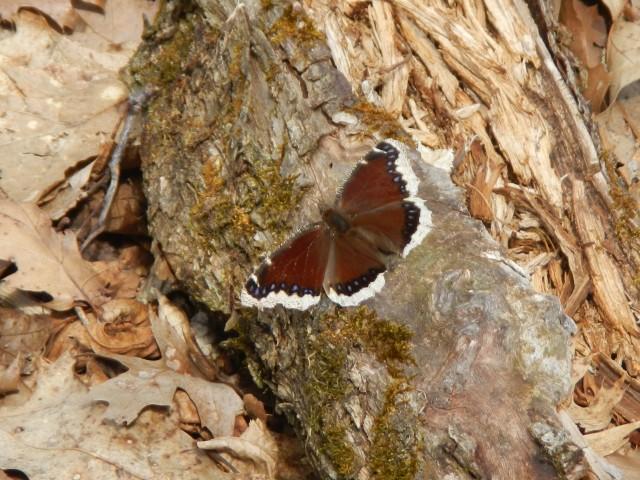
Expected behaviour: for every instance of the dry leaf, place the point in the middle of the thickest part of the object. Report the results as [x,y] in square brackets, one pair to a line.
[125,274]
[628,463]
[597,415]
[127,214]
[172,330]
[588,29]
[61,13]
[623,56]
[589,37]
[20,333]
[255,449]
[616,7]
[60,102]
[254,407]
[47,261]
[153,383]
[120,23]
[10,376]
[124,328]
[59,433]
[608,441]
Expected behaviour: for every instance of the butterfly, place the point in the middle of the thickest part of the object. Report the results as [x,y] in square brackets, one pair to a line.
[376,216]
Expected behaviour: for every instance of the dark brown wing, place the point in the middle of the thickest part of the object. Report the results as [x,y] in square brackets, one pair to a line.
[392,226]
[376,181]
[292,276]
[355,272]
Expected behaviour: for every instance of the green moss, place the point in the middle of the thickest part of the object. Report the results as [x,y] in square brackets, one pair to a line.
[326,389]
[625,206]
[625,211]
[395,446]
[389,342]
[218,212]
[165,65]
[381,122]
[294,25]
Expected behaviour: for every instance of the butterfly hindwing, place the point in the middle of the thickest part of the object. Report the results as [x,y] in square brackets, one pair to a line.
[356,272]
[396,227]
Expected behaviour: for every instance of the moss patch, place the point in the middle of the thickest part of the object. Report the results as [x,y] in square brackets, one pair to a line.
[324,390]
[382,122]
[388,341]
[624,204]
[293,24]
[218,212]
[395,446]
[159,61]
[394,449]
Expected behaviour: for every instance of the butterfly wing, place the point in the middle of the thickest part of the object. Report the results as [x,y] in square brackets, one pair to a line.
[380,198]
[355,272]
[396,227]
[293,275]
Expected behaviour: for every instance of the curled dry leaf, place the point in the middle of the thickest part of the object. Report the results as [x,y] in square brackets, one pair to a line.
[172,330]
[255,449]
[124,328]
[155,382]
[47,261]
[597,415]
[125,274]
[62,14]
[588,40]
[254,407]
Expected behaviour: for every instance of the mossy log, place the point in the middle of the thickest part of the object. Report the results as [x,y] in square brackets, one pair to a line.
[453,371]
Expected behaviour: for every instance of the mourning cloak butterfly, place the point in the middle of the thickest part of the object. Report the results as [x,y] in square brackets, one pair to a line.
[376,214]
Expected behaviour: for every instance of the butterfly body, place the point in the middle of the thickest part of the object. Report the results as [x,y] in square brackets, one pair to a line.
[336,221]
[377,214]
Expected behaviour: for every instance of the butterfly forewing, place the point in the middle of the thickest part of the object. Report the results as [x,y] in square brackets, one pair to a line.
[292,276]
[377,180]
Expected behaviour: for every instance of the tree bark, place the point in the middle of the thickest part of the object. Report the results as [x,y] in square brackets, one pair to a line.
[457,366]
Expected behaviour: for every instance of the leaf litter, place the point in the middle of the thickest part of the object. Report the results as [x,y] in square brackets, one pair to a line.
[46,261]
[91,379]
[60,433]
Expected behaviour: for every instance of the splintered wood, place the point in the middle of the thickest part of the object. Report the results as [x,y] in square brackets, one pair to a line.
[455,72]
[481,69]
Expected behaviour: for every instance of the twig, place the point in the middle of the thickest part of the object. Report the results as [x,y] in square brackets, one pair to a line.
[136,102]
